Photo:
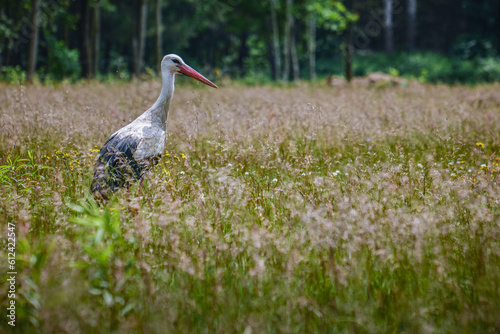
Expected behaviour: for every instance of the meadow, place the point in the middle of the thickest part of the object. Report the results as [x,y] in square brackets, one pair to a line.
[302,209]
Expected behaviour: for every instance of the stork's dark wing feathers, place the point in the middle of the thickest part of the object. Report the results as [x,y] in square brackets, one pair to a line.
[116,165]
[118,150]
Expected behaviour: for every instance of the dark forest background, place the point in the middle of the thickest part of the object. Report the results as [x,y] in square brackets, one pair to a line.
[281,40]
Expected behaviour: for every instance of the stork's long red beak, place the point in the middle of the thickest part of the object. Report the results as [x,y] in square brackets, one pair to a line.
[187,70]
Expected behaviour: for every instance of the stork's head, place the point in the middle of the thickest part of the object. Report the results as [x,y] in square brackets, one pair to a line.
[174,64]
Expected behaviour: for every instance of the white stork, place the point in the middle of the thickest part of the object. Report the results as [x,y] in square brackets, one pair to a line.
[130,151]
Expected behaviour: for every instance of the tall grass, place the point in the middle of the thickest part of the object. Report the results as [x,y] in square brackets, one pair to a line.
[294,210]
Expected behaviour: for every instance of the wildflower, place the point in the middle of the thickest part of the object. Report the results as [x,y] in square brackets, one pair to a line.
[479,144]
[177,158]
[336,173]
[275,180]
[483,166]
[183,156]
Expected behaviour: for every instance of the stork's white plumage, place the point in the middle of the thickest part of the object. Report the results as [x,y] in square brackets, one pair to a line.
[130,151]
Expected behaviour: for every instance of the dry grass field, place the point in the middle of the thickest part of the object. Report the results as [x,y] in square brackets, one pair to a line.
[306,209]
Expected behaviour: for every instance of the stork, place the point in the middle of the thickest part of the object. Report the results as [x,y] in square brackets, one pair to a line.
[133,149]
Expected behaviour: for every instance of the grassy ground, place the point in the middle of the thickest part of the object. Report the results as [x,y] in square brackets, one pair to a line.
[290,210]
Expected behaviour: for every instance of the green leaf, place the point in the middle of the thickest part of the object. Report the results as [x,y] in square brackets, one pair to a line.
[108,298]
[129,307]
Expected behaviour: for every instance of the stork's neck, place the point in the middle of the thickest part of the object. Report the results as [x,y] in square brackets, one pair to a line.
[158,113]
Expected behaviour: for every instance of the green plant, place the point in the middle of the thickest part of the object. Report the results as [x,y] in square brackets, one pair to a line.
[109,264]
[489,69]
[21,173]
[62,62]
[13,74]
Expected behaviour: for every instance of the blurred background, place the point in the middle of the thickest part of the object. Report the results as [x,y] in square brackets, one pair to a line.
[450,41]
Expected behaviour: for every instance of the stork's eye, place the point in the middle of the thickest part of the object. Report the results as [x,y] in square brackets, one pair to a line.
[176,61]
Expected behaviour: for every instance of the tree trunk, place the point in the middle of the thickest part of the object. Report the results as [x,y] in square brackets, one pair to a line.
[389,28]
[96,37]
[349,45]
[412,24]
[243,53]
[311,45]
[135,53]
[33,48]
[159,35]
[287,38]
[349,49]
[87,43]
[294,57]
[276,42]
[3,47]
[141,44]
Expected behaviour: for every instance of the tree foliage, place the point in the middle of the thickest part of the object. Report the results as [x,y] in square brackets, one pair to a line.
[332,15]
[235,37]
